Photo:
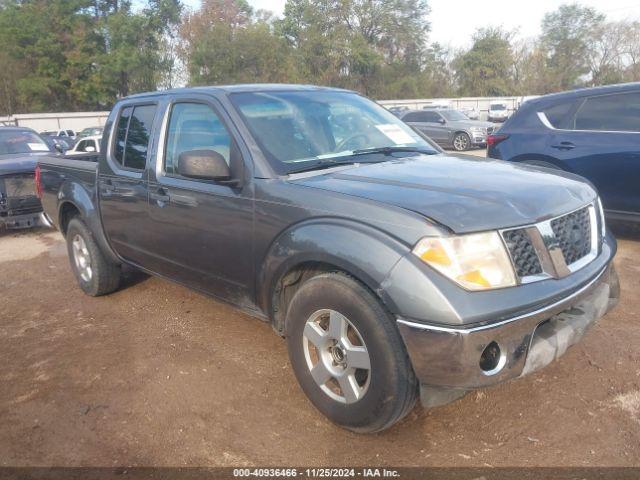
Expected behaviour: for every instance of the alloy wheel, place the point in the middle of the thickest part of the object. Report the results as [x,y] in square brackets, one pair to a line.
[336,356]
[82,258]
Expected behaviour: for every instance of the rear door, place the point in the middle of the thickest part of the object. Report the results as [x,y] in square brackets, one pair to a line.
[428,123]
[202,230]
[122,181]
[601,141]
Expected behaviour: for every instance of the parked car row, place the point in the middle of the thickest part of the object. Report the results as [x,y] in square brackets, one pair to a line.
[64,140]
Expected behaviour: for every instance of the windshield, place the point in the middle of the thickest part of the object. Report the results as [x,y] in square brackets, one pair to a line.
[21,141]
[498,107]
[297,127]
[453,115]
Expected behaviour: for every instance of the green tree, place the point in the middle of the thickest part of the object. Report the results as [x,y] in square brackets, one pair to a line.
[487,68]
[568,35]
[224,42]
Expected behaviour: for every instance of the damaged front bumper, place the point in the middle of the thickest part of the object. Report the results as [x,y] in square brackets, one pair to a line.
[449,361]
[25,220]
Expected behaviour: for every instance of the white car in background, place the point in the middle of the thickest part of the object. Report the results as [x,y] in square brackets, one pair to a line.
[470,112]
[498,112]
[86,145]
[60,133]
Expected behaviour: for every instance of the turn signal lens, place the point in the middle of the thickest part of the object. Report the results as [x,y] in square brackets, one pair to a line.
[436,254]
[477,261]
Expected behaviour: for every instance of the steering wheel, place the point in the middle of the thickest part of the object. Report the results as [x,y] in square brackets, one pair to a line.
[343,145]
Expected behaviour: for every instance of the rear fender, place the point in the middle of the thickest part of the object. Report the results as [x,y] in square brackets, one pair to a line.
[73,194]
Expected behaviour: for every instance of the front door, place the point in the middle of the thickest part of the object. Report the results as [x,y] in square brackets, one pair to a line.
[202,229]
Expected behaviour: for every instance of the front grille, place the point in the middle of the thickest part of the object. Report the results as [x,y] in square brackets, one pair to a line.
[490,130]
[573,232]
[524,256]
[531,248]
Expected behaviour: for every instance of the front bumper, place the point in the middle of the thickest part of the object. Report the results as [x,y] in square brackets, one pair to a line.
[478,138]
[27,220]
[449,357]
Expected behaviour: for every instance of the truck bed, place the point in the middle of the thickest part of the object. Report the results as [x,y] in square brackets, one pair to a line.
[59,176]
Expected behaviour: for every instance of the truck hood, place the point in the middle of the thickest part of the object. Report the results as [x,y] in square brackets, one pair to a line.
[464,193]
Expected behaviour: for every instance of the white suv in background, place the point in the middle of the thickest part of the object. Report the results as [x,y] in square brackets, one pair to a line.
[498,112]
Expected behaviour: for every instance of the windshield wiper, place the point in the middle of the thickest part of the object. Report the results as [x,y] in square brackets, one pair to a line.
[327,163]
[390,150]
[348,159]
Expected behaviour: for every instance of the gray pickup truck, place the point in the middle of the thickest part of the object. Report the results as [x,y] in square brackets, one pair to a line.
[393,270]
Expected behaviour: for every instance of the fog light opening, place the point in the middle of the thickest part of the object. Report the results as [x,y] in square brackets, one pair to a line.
[492,359]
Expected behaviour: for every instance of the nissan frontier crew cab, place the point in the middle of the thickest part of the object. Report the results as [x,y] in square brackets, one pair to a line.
[393,270]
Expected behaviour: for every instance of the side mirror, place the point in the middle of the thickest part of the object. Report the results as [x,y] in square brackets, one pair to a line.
[59,147]
[442,121]
[204,165]
[90,149]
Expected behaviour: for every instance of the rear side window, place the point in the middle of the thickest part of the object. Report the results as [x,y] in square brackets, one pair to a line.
[412,117]
[121,134]
[619,112]
[431,117]
[132,136]
[557,114]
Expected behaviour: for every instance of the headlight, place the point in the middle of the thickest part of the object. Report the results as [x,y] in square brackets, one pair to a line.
[477,129]
[478,261]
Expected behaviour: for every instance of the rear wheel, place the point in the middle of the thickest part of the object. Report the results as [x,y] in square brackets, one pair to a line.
[347,354]
[95,273]
[461,142]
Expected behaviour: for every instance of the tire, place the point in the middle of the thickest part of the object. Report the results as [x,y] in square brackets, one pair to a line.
[461,142]
[102,275]
[375,398]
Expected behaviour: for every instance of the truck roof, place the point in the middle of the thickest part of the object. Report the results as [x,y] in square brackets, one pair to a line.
[248,87]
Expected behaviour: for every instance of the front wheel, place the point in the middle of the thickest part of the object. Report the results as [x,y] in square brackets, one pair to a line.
[461,142]
[347,354]
[95,273]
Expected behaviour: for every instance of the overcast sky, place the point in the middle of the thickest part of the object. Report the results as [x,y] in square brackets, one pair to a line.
[453,21]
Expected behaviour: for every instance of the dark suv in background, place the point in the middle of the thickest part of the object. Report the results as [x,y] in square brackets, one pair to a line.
[591,132]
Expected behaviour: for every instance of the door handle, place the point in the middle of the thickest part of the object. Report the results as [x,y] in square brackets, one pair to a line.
[564,146]
[184,200]
[161,196]
[108,188]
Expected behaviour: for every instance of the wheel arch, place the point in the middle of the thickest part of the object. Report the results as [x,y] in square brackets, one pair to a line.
[322,246]
[77,203]
[526,157]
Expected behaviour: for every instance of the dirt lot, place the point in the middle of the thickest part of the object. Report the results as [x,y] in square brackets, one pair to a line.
[158,375]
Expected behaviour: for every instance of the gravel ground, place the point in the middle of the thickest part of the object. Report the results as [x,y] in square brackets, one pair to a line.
[156,375]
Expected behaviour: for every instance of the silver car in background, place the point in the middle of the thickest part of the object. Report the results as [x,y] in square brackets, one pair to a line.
[450,128]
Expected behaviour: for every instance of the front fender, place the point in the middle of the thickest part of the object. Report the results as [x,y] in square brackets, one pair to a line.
[358,249]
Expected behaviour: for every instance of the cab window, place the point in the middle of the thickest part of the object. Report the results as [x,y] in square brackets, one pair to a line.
[194,126]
